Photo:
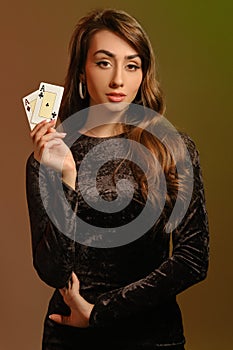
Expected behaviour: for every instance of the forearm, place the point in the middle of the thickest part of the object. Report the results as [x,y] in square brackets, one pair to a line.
[53,257]
[172,277]
[69,177]
[52,210]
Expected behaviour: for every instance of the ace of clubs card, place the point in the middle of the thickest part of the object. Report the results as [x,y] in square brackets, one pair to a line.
[48,102]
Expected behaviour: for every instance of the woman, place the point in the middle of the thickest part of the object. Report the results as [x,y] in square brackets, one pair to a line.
[115,295]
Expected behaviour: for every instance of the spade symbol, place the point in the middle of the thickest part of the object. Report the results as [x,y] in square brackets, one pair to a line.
[47,105]
[28,108]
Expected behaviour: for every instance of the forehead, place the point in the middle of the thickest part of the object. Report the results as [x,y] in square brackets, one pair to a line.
[107,40]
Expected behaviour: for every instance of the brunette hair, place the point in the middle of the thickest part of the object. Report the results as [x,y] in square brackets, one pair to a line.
[149,95]
[130,30]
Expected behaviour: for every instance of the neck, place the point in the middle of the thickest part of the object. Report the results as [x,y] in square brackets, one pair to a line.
[103,131]
[104,120]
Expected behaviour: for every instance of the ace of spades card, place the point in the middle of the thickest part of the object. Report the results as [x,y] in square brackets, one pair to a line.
[48,102]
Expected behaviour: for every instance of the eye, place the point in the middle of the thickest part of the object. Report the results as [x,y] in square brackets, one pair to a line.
[103,64]
[133,67]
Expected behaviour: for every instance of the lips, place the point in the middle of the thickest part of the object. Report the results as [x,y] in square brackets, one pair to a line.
[116,97]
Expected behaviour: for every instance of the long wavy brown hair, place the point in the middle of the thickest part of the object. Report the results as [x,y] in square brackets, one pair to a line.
[149,94]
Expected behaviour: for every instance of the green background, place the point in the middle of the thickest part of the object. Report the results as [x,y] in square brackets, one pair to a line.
[192,41]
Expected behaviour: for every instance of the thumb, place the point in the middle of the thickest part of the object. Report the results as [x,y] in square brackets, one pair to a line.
[59,319]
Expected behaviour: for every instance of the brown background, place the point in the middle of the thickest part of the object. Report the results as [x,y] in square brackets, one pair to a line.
[191,40]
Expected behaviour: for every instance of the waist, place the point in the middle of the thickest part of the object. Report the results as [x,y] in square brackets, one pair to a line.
[161,324]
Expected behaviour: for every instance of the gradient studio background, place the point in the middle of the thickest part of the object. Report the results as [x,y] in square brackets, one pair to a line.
[191,40]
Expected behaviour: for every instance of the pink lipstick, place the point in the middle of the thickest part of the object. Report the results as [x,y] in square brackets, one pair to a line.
[116,97]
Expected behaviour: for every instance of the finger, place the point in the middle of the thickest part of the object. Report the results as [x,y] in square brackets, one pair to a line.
[41,129]
[39,125]
[74,278]
[60,319]
[67,295]
[70,283]
[45,147]
[49,140]
[75,284]
[63,291]
[53,135]
[52,129]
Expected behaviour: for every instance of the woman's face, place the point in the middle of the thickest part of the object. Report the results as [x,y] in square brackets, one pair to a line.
[113,69]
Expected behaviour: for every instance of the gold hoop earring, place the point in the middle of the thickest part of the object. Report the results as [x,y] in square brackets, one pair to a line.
[81,92]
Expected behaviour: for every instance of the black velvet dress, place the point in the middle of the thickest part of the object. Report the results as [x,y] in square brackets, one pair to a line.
[133,286]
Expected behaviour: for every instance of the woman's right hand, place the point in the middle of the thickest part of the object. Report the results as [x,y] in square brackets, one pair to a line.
[51,150]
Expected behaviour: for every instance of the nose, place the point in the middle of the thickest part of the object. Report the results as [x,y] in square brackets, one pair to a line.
[117,78]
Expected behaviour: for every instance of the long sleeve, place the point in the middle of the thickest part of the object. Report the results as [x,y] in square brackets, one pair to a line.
[52,248]
[187,265]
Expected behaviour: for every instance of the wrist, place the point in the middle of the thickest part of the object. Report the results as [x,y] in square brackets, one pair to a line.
[69,176]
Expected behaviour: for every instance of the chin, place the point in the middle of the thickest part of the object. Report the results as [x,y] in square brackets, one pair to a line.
[116,106]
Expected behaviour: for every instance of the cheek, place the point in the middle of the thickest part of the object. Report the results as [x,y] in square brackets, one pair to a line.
[91,81]
[96,80]
[137,82]
[138,79]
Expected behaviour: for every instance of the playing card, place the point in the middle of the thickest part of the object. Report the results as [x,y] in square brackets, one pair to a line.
[29,103]
[48,102]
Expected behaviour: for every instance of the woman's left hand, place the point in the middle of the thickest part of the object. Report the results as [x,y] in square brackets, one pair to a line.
[80,308]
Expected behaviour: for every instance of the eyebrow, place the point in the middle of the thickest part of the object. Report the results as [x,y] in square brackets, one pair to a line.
[110,54]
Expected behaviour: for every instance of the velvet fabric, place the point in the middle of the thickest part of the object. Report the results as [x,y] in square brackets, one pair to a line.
[133,286]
